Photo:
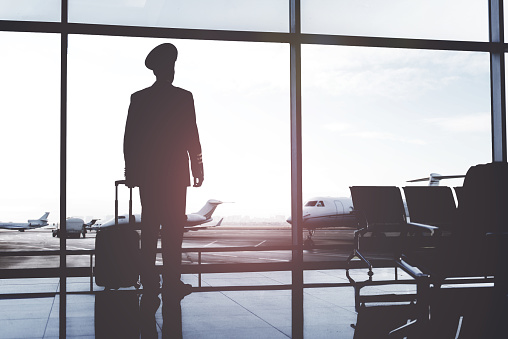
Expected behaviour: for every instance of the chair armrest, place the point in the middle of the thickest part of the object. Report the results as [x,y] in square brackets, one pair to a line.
[430,228]
[411,270]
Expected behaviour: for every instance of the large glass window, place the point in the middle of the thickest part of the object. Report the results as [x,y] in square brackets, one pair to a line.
[241,95]
[30,138]
[246,15]
[30,10]
[374,116]
[423,19]
[371,116]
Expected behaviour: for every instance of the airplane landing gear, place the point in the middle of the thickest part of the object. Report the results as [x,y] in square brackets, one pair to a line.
[309,243]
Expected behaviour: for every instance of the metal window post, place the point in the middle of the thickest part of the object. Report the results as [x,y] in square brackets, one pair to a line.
[296,173]
[63,171]
[497,81]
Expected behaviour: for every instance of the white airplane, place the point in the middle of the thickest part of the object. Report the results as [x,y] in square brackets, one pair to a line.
[22,226]
[323,212]
[194,220]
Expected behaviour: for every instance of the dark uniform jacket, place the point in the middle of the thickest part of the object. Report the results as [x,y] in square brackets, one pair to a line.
[160,136]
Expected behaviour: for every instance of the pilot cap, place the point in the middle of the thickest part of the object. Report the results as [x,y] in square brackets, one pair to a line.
[161,55]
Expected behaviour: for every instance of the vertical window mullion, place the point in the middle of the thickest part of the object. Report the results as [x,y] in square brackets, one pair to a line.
[296,172]
[497,81]
[63,171]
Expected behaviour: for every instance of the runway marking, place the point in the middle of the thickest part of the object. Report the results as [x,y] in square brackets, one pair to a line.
[41,248]
[77,248]
[213,242]
[262,242]
[223,255]
[282,260]
[236,256]
[281,251]
[327,254]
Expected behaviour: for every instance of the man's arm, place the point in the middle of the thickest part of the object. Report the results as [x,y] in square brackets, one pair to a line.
[194,146]
[130,145]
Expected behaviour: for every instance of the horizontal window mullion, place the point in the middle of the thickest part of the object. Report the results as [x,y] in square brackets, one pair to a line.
[449,45]
[248,36]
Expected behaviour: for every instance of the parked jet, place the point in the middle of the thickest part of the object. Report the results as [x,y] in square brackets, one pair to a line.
[22,226]
[323,212]
[194,220]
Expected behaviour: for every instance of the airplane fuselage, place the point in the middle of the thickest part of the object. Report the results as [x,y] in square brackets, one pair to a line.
[21,226]
[15,225]
[192,220]
[323,212]
[203,216]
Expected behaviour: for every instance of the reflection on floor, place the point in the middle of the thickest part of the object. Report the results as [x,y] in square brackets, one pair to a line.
[328,312]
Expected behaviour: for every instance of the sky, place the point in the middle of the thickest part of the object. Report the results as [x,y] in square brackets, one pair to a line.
[371,116]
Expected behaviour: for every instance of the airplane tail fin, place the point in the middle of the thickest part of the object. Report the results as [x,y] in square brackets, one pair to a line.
[42,221]
[92,222]
[434,179]
[209,208]
[44,217]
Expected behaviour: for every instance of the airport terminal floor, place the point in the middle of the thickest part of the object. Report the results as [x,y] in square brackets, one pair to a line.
[230,305]
[329,312]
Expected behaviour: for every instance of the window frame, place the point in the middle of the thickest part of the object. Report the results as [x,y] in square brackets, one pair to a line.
[496,47]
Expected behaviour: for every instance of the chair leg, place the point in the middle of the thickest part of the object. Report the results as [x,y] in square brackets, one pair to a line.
[423,302]
[357,253]
[419,327]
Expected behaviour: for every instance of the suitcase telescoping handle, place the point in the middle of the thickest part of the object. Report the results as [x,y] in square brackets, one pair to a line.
[131,217]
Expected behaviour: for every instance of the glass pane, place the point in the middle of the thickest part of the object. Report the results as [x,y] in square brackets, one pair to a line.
[424,19]
[263,15]
[241,96]
[374,116]
[30,153]
[30,10]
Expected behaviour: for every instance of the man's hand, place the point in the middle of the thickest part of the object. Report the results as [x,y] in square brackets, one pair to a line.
[130,184]
[128,181]
[197,170]
[198,181]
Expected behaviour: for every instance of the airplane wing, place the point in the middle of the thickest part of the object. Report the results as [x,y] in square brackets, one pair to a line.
[201,227]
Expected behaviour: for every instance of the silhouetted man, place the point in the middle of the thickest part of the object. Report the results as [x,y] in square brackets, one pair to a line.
[160,137]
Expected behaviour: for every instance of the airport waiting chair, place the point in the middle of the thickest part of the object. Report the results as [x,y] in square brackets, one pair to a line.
[469,252]
[431,205]
[380,212]
[475,253]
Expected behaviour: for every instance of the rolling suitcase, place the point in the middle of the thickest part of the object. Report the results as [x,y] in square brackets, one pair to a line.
[117,252]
